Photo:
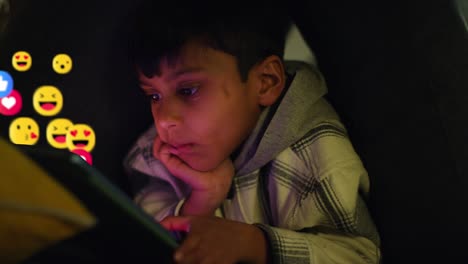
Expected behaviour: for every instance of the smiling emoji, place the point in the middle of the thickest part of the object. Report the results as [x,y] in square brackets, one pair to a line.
[21,61]
[56,132]
[81,136]
[24,131]
[47,100]
[62,63]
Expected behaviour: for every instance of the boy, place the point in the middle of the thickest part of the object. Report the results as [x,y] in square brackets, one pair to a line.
[246,156]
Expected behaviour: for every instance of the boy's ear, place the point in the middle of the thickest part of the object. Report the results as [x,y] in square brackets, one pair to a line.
[272,79]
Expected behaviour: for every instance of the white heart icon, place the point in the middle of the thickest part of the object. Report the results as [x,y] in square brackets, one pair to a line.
[8,102]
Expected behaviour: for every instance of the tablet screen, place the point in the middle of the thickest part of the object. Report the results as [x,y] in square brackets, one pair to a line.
[121,224]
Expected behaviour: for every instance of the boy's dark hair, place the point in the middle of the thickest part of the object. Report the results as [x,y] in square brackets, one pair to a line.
[248,32]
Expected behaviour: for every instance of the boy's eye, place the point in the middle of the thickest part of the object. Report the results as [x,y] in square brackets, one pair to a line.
[155,97]
[189,91]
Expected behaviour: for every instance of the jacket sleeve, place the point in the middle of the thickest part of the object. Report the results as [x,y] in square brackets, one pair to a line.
[158,199]
[324,218]
[318,246]
[155,190]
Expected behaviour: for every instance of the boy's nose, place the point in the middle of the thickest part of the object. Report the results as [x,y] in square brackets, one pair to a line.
[167,115]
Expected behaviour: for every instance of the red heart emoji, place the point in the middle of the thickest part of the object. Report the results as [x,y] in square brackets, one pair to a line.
[87,132]
[73,132]
[33,135]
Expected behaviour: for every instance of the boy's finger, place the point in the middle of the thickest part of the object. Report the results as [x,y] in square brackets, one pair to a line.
[176,223]
[178,168]
[162,153]
[189,252]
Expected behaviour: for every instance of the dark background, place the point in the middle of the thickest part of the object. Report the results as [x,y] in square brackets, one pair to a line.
[397,73]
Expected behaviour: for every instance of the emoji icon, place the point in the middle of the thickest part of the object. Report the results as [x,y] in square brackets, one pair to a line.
[84,155]
[24,131]
[6,84]
[62,63]
[21,61]
[56,132]
[47,100]
[81,136]
[11,104]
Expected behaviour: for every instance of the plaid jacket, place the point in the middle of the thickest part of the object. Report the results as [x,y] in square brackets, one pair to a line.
[297,178]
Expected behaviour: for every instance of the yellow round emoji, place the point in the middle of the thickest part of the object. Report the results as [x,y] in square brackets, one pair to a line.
[47,100]
[81,136]
[24,131]
[21,61]
[62,63]
[56,132]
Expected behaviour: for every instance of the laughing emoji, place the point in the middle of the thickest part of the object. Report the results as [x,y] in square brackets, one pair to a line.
[81,136]
[47,100]
[21,61]
[57,132]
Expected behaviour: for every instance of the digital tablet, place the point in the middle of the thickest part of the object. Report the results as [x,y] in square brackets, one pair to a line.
[124,231]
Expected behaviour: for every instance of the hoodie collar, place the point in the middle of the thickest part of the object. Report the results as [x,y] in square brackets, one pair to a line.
[285,122]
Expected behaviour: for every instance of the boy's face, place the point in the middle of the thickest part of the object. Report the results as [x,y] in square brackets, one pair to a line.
[201,107]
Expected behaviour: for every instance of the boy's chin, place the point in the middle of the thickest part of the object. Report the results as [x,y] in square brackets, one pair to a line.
[202,166]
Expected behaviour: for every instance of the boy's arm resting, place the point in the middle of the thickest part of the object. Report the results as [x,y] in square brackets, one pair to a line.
[158,200]
[155,191]
[318,245]
[321,244]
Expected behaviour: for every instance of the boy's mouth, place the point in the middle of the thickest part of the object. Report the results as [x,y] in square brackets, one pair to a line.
[180,148]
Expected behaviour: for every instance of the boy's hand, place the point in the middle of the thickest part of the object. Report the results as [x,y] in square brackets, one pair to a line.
[217,240]
[209,189]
